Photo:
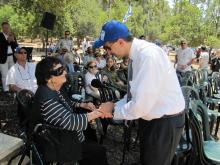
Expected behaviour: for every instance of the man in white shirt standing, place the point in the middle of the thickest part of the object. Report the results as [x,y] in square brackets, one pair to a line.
[22,74]
[66,42]
[8,44]
[184,57]
[154,97]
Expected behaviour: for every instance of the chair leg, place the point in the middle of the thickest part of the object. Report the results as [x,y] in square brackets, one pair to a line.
[217,126]
[213,120]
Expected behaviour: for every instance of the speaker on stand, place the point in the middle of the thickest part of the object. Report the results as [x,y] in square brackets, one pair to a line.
[47,22]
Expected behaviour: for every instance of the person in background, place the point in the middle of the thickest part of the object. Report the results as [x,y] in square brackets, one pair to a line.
[90,75]
[204,62]
[100,61]
[8,44]
[69,61]
[154,96]
[22,74]
[110,70]
[142,37]
[60,56]
[85,44]
[184,57]
[215,62]
[89,56]
[112,75]
[66,42]
[125,62]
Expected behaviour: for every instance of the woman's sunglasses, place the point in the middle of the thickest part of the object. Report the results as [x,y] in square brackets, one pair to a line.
[57,72]
[95,66]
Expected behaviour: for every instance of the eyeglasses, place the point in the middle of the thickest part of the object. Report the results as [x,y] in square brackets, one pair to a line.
[183,43]
[95,66]
[109,48]
[57,72]
[66,34]
[22,52]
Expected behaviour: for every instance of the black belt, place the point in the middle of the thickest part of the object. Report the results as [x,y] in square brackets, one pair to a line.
[10,54]
[174,115]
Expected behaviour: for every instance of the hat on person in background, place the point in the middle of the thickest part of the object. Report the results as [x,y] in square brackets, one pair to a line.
[18,49]
[112,30]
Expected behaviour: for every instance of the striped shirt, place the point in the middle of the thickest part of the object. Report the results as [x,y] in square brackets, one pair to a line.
[59,113]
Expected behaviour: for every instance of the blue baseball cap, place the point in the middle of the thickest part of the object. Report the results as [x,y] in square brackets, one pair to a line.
[111,30]
[17,50]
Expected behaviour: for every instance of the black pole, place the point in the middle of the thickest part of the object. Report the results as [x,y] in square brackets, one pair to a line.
[46,42]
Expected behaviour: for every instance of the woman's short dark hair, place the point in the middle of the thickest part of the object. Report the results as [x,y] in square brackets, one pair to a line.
[43,69]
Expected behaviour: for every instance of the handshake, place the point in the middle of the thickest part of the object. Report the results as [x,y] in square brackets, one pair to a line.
[104,111]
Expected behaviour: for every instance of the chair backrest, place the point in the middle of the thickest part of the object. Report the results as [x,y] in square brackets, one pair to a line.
[197,154]
[189,93]
[75,82]
[25,100]
[25,97]
[199,125]
[200,111]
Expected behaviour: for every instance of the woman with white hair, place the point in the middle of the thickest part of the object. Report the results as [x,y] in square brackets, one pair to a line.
[68,59]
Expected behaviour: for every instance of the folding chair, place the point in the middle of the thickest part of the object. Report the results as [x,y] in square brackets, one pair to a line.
[204,149]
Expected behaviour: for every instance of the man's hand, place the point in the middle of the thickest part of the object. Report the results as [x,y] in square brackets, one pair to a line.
[106,109]
[90,106]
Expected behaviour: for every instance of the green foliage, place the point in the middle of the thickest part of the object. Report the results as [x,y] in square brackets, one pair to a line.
[213,42]
[20,23]
[196,20]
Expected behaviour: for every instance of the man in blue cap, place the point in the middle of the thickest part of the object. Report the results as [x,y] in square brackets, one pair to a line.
[154,94]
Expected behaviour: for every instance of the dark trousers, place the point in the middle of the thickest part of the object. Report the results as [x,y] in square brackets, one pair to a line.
[93,154]
[159,139]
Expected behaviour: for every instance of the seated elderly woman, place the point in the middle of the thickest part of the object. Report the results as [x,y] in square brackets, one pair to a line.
[90,75]
[58,111]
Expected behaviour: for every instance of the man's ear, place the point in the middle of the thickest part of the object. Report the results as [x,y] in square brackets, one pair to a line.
[121,41]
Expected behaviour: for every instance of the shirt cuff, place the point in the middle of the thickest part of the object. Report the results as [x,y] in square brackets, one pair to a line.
[119,109]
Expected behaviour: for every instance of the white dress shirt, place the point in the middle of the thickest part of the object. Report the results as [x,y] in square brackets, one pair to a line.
[64,43]
[23,78]
[154,88]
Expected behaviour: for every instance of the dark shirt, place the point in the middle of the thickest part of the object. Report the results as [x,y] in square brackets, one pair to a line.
[55,110]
